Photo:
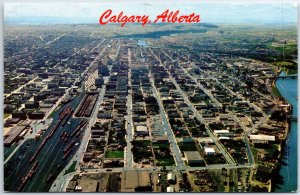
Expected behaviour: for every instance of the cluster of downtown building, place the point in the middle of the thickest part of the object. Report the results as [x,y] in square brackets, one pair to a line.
[34,82]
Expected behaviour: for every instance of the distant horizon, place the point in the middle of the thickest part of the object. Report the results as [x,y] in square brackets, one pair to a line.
[290,24]
[88,13]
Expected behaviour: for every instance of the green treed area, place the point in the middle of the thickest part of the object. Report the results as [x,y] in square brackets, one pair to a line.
[165,158]
[276,92]
[287,66]
[254,153]
[286,48]
[294,71]
[165,161]
[53,112]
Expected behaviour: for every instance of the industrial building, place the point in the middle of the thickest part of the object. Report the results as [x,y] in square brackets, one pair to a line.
[13,135]
[193,158]
[171,178]
[262,137]
[141,130]
[209,151]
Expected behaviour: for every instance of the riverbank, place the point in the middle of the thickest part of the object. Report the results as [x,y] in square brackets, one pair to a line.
[285,173]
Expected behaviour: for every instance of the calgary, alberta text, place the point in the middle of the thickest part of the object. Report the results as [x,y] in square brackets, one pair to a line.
[166,16]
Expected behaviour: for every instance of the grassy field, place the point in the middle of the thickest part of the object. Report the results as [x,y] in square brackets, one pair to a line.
[254,153]
[53,112]
[115,154]
[168,161]
[71,168]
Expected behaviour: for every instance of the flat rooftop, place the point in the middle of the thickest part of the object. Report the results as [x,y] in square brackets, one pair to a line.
[193,155]
[133,179]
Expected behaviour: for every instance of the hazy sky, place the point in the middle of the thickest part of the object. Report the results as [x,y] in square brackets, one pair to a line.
[37,13]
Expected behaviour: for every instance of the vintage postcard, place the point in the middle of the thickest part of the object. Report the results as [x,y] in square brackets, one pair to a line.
[150,97]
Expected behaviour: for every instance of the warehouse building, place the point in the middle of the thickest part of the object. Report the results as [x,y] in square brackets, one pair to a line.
[136,181]
[209,151]
[141,130]
[193,158]
[13,135]
[262,138]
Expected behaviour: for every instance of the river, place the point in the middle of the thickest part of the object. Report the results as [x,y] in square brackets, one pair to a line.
[289,170]
[142,43]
